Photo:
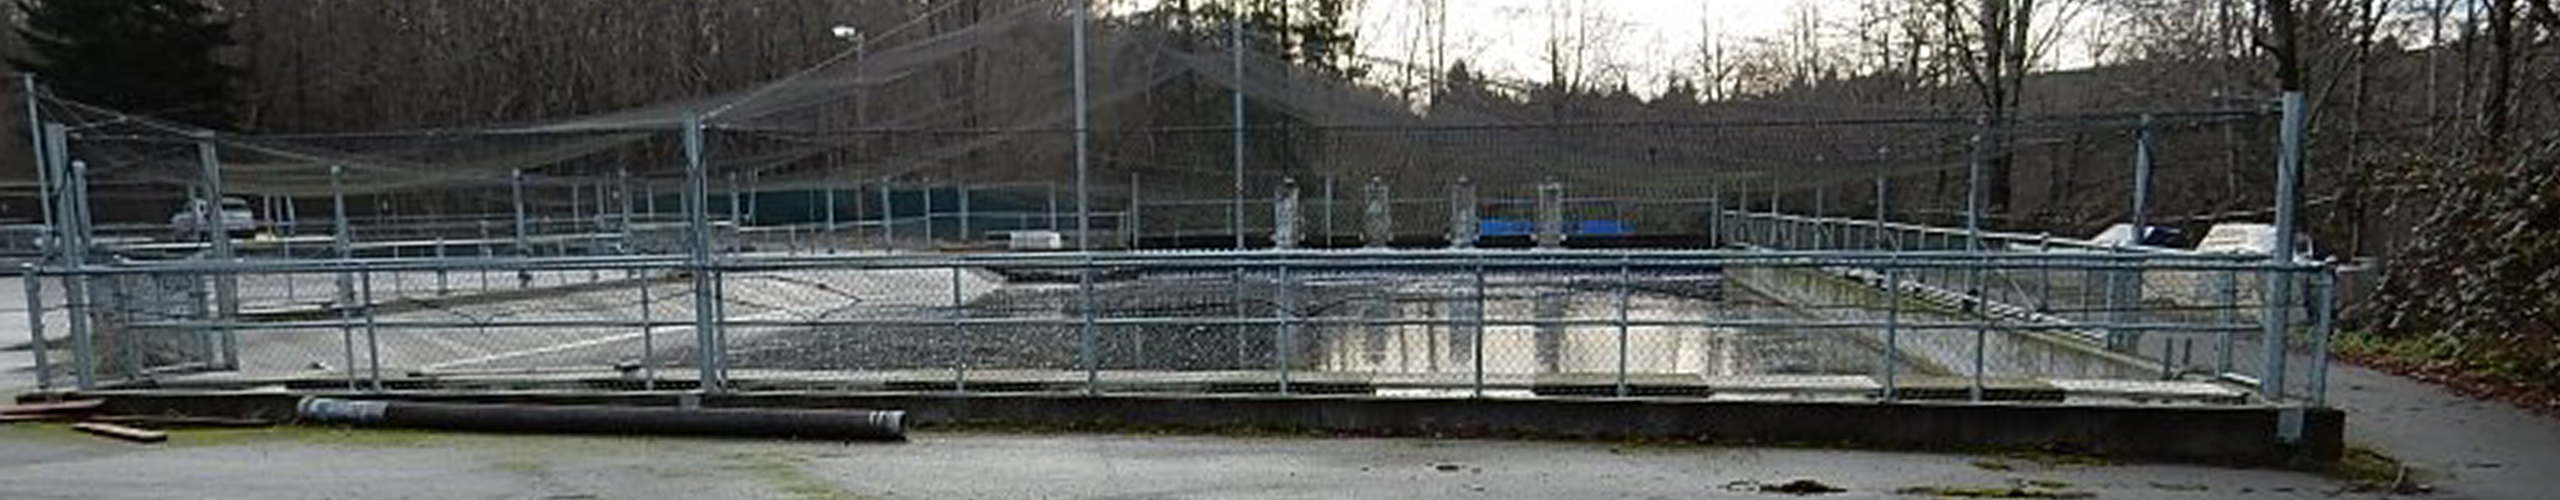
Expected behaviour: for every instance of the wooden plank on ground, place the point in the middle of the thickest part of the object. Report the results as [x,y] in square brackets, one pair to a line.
[121,432]
[178,421]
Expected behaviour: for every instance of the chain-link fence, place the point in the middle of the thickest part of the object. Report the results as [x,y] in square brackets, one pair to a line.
[975,207]
[1800,324]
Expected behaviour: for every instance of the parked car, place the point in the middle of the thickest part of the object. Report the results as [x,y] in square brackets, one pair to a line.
[232,216]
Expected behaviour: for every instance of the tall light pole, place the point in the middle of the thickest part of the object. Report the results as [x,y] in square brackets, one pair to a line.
[861,43]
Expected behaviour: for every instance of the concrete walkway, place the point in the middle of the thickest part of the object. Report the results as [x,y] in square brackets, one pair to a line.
[50,463]
[2466,448]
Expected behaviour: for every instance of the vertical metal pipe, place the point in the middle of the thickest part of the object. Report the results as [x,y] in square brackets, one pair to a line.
[1286,346]
[131,343]
[648,337]
[1328,211]
[74,217]
[372,337]
[1236,49]
[1136,220]
[2142,165]
[888,214]
[524,240]
[706,313]
[967,235]
[344,247]
[1973,244]
[1285,234]
[1476,322]
[443,287]
[928,214]
[1892,332]
[1884,215]
[1084,214]
[1819,237]
[959,330]
[1626,285]
[2230,317]
[1464,224]
[2323,320]
[35,327]
[226,286]
[622,196]
[1551,230]
[2281,255]
[1715,215]
[2289,177]
[46,166]
[737,209]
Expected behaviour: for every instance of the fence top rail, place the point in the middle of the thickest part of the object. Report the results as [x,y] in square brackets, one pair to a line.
[1216,259]
[2039,240]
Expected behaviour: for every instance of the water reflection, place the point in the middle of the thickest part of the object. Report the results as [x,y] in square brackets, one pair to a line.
[1435,330]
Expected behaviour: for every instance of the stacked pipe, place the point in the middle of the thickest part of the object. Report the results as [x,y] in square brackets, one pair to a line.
[851,425]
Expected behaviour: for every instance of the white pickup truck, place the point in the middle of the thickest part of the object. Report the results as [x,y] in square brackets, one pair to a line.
[233,217]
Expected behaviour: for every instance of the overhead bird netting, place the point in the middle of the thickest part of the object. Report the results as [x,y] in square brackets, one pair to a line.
[955,133]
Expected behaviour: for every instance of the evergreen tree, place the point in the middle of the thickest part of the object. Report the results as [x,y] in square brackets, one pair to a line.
[145,56]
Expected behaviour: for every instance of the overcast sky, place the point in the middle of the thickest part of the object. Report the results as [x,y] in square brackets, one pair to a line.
[1505,36]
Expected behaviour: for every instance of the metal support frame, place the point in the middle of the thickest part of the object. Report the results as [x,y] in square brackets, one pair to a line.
[1084,203]
[704,265]
[35,327]
[226,286]
[1236,48]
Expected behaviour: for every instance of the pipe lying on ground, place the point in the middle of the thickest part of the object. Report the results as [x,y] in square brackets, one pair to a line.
[866,425]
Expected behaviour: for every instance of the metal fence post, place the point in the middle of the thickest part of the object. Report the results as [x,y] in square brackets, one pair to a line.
[1285,223]
[75,247]
[35,327]
[1236,49]
[344,251]
[1286,346]
[706,313]
[1378,230]
[928,214]
[1328,211]
[1135,220]
[372,336]
[2277,323]
[648,337]
[1884,192]
[131,338]
[46,173]
[1626,285]
[1084,201]
[1476,316]
[1551,230]
[2323,322]
[889,211]
[226,285]
[2229,319]
[1715,215]
[959,329]
[524,240]
[1892,331]
[1463,222]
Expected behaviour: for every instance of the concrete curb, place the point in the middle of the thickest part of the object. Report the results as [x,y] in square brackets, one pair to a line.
[2242,436]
